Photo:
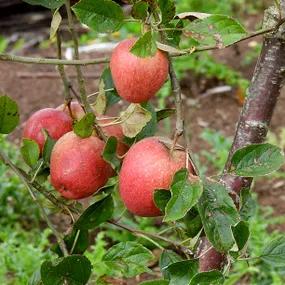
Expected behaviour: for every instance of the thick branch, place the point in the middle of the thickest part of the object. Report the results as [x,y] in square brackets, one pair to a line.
[256,115]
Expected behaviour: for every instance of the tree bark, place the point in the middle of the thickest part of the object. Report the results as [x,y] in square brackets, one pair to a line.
[255,117]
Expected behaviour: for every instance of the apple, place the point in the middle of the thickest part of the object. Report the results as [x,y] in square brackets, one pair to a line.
[77,169]
[148,166]
[137,79]
[115,131]
[56,122]
[77,111]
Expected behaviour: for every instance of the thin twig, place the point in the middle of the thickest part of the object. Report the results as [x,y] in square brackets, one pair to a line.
[51,61]
[80,77]
[66,83]
[136,232]
[176,90]
[52,75]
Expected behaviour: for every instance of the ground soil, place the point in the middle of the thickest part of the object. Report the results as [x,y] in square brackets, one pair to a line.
[219,112]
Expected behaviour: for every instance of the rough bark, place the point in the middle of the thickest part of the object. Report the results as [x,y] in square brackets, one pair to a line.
[255,117]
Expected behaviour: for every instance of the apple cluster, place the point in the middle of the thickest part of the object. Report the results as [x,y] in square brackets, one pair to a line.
[77,168]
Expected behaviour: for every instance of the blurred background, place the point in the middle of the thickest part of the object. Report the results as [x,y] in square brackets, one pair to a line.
[214,87]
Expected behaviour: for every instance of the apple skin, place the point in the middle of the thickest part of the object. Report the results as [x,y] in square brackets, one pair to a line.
[76,110]
[137,79]
[77,169]
[56,122]
[147,166]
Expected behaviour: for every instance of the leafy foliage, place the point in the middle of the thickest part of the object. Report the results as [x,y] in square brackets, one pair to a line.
[102,15]
[184,195]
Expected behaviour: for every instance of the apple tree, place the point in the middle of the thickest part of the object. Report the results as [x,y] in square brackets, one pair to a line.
[83,153]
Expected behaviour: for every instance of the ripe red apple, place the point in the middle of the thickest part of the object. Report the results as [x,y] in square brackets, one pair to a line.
[115,131]
[77,169]
[76,110]
[137,79]
[56,122]
[147,166]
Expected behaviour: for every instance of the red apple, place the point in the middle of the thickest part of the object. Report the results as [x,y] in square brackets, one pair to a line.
[77,169]
[115,131]
[147,166]
[77,111]
[56,122]
[137,79]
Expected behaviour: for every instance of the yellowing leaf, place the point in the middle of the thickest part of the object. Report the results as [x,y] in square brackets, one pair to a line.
[134,119]
[55,23]
[100,104]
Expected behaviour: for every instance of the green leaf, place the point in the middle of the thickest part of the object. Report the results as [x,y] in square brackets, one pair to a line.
[134,119]
[192,222]
[78,240]
[167,257]
[155,282]
[50,4]
[216,30]
[129,258]
[85,126]
[247,204]
[257,160]
[30,152]
[241,234]
[3,44]
[218,213]
[96,214]
[104,16]
[181,272]
[213,277]
[168,10]
[110,153]
[36,278]
[173,36]
[145,46]
[110,186]
[161,198]
[139,10]
[274,252]
[112,96]
[73,269]
[164,113]
[184,195]
[55,23]
[48,147]
[9,115]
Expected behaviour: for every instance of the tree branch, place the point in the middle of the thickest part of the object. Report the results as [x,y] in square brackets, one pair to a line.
[51,61]
[85,62]
[256,115]
[66,84]
[80,77]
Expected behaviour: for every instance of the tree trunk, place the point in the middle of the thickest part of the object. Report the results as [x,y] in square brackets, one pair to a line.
[255,116]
